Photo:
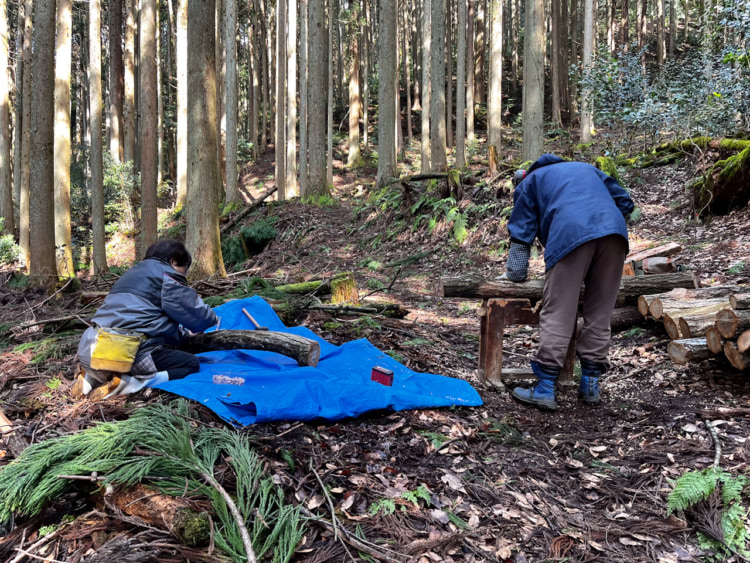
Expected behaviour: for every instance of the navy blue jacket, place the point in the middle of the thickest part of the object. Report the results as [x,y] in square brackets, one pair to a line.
[565,204]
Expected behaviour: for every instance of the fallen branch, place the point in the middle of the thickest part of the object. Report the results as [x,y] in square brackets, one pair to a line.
[242,214]
[305,351]
[29,324]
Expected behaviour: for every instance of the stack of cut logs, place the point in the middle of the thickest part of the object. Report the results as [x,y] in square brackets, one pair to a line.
[703,322]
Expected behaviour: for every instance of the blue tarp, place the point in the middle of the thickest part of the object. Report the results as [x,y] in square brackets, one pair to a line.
[277,388]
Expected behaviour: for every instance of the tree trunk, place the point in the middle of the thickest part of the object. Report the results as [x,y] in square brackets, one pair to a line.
[739,360]
[495,87]
[630,288]
[280,137]
[740,301]
[696,323]
[743,342]
[42,265]
[533,81]
[555,61]
[304,41]
[355,157]
[365,77]
[675,309]
[97,167]
[654,304]
[149,122]
[129,102]
[688,350]
[426,84]
[387,80]
[290,162]
[461,86]
[317,98]
[230,45]
[624,25]
[305,351]
[260,7]
[116,78]
[6,182]
[481,28]
[201,210]
[469,62]
[449,76]
[438,156]
[19,126]
[329,107]
[63,244]
[730,322]
[660,47]
[714,341]
[587,109]
[672,26]
[25,170]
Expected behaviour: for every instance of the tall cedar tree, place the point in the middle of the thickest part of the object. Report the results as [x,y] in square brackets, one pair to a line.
[317,98]
[387,79]
[97,170]
[6,183]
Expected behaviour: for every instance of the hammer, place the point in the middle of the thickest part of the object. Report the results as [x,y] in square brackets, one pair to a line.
[252,320]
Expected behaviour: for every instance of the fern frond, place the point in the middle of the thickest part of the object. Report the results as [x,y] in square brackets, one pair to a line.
[691,488]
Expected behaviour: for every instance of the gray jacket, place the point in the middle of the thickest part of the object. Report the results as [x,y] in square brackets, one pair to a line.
[151,298]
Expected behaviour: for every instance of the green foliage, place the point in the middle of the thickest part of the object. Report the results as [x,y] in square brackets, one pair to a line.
[10,252]
[395,355]
[416,342]
[696,487]
[457,521]
[374,283]
[435,438]
[244,150]
[324,200]
[422,492]
[250,240]
[386,506]
[633,332]
[737,268]
[183,454]
[636,215]
[51,348]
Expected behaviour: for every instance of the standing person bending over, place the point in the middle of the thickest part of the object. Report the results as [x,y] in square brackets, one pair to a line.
[579,214]
[153,300]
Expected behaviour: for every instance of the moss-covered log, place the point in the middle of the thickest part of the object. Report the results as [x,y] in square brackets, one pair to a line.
[607,165]
[725,186]
[305,351]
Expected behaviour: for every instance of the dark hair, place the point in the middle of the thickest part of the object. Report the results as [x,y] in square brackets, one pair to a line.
[169,250]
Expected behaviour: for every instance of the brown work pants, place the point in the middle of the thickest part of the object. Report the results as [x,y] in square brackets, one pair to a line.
[598,264]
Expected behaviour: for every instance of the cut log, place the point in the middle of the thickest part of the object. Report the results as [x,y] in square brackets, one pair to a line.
[624,318]
[738,359]
[162,511]
[688,350]
[659,308]
[672,327]
[304,350]
[681,298]
[630,289]
[664,250]
[740,301]
[730,321]
[714,341]
[695,322]
[743,342]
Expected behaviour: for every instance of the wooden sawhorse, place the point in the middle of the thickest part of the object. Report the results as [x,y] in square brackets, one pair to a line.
[494,316]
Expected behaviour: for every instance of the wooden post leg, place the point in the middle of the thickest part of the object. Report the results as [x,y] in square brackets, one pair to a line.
[495,332]
[482,369]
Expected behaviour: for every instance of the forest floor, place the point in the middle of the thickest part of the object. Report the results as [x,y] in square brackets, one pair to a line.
[507,482]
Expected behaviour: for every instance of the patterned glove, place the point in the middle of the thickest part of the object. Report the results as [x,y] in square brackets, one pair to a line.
[518,261]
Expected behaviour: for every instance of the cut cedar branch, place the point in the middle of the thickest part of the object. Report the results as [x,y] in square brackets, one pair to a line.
[714,341]
[730,321]
[740,301]
[688,350]
[678,299]
[631,288]
[738,359]
[245,212]
[692,323]
[305,351]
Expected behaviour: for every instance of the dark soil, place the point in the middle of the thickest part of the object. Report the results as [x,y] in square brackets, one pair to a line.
[507,482]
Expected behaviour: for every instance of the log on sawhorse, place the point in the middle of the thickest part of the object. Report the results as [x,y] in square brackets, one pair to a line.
[494,316]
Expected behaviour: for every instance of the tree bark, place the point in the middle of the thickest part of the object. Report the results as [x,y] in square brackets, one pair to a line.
[387,79]
[449,74]
[589,38]
[42,265]
[280,137]
[305,351]
[688,350]
[129,102]
[679,297]
[677,309]
[714,340]
[317,98]
[740,301]
[25,170]
[630,288]
[290,162]
[97,165]
[469,37]
[355,157]
[304,40]
[660,47]
[495,87]
[6,182]
[730,322]
[426,84]
[149,123]
[439,161]
[461,86]
[202,215]
[739,360]
[230,46]
[260,7]
[533,81]
[116,80]
[555,61]
[696,322]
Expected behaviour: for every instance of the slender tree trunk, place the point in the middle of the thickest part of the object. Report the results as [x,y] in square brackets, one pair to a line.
[495,91]
[149,122]
[449,76]
[6,182]
[565,104]
[182,102]
[479,49]
[329,107]
[41,172]
[461,86]
[672,26]
[204,175]
[19,125]
[230,46]
[129,102]
[426,83]
[610,23]
[556,68]
[624,25]
[280,140]
[97,167]
[365,78]
[304,41]
[660,45]
[514,60]
[642,28]
[116,79]
[533,81]
[575,43]
[260,4]
[406,65]
[63,244]
[387,79]
[24,195]
[470,72]
[686,27]
[159,104]
[437,101]
[318,96]
[355,157]
[587,110]
[291,188]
